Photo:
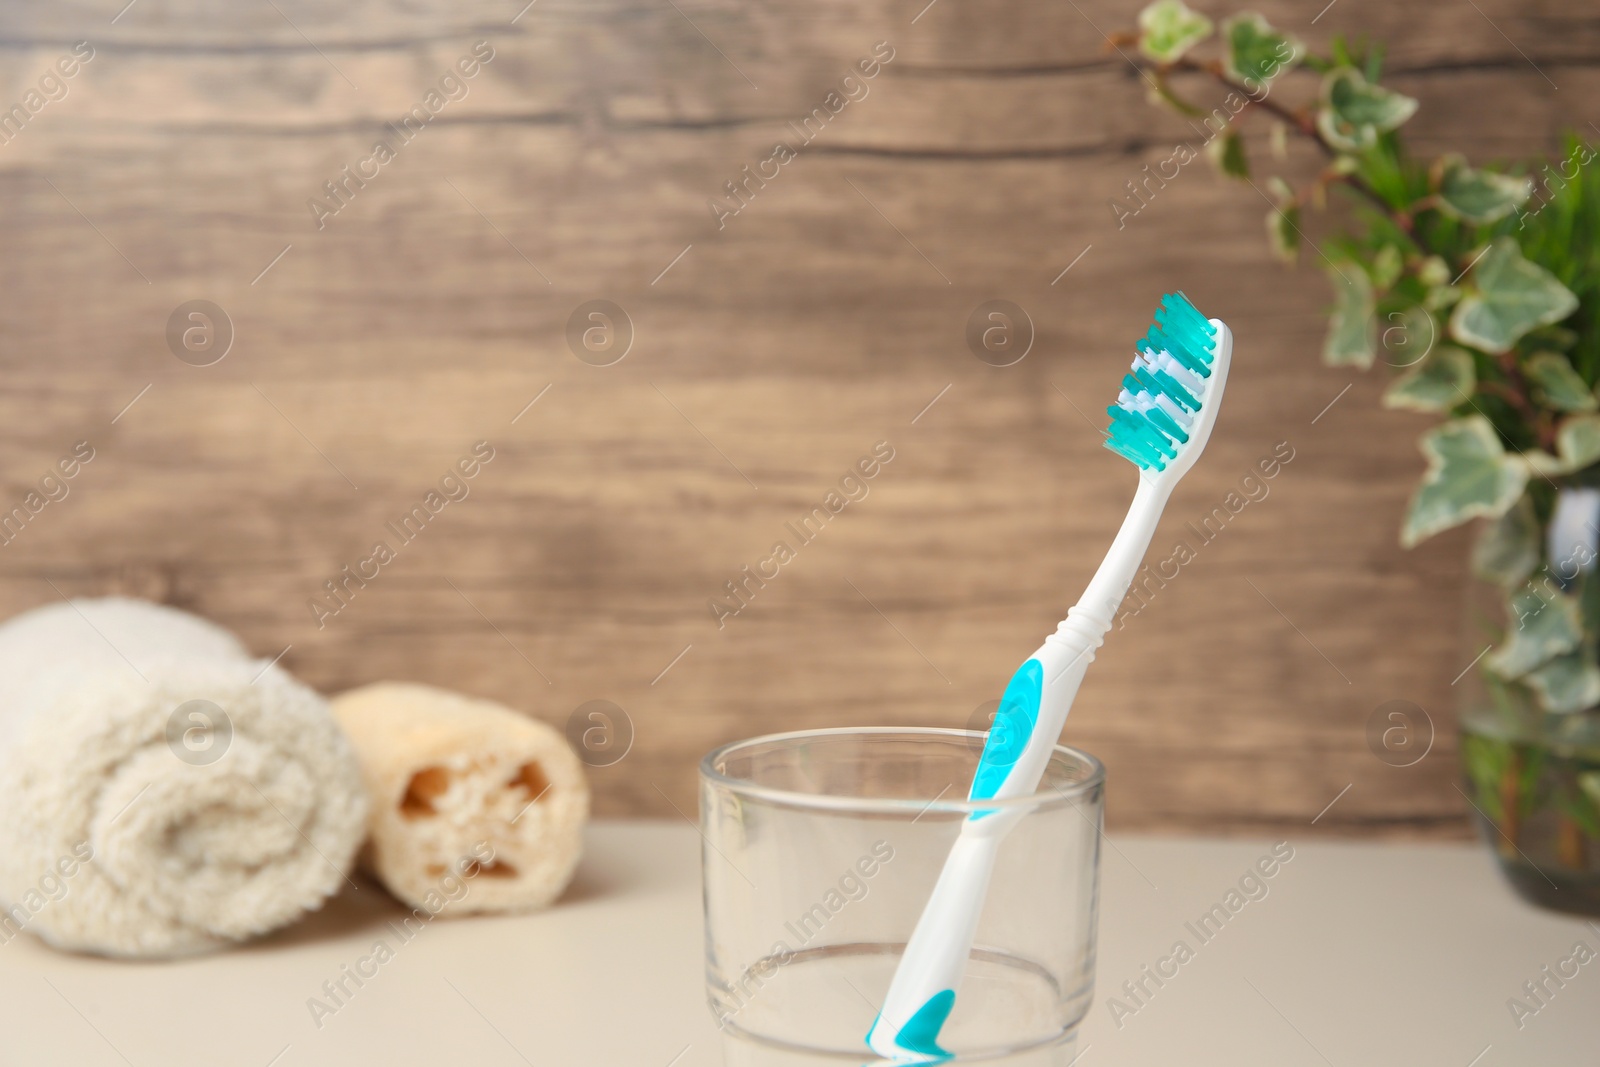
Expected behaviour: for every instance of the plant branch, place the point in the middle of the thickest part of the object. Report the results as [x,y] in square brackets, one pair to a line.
[1514,390]
[1510,803]
[1570,844]
[1302,123]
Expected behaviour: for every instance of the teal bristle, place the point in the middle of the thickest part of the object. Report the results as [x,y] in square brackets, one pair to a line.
[1167,384]
[1167,425]
[1141,431]
[1131,444]
[1151,420]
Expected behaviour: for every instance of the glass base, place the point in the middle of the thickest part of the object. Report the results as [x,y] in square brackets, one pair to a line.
[1001,994]
[1575,895]
[739,1051]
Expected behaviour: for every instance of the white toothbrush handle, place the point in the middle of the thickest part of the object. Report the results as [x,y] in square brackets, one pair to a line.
[1023,735]
[937,953]
[1067,653]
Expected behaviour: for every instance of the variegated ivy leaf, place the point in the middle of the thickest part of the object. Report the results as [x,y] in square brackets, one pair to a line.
[1511,296]
[1469,476]
[1283,221]
[1227,154]
[1578,441]
[1508,548]
[1477,195]
[1283,232]
[1567,683]
[1256,52]
[1352,331]
[1409,336]
[1168,29]
[1279,140]
[1577,447]
[1589,782]
[1434,272]
[1557,385]
[1443,380]
[1441,297]
[1386,266]
[1541,624]
[1355,111]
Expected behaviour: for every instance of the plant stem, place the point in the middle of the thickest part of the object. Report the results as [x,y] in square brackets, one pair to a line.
[1514,390]
[1519,395]
[1571,846]
[1510,806]
[1307,126]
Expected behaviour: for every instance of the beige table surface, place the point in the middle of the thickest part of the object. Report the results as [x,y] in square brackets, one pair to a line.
[1360,955]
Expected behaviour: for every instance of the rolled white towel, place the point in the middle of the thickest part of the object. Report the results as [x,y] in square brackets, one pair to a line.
[464,787]
[162,792]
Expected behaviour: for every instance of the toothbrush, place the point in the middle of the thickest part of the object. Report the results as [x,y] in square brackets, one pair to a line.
[1160,422]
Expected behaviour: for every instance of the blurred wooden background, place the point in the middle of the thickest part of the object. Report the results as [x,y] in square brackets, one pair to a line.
[768,356]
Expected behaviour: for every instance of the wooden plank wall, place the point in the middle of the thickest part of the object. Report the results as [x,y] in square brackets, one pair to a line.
[768,356]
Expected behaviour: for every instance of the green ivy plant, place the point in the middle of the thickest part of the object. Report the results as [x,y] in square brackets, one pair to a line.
[1480,285]
[1478,289]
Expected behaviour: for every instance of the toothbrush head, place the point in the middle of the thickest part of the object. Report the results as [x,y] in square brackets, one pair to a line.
[1168,404]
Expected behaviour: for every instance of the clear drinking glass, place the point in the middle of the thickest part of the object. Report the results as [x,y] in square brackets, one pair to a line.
[821,848]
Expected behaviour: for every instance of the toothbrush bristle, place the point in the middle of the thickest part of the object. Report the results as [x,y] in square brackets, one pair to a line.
[1162,395]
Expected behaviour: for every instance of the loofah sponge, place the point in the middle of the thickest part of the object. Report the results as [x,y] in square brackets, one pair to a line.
[465,787]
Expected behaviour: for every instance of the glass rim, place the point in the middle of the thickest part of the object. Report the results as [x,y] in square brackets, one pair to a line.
[890,805]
